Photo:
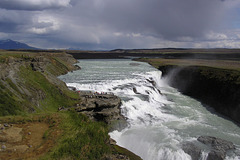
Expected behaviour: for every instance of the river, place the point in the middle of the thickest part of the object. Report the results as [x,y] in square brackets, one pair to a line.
[160,118]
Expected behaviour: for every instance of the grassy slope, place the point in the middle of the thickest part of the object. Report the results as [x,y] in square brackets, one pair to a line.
[83,139]
[16,92]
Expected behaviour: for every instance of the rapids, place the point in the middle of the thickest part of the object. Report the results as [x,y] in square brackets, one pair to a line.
[160,119]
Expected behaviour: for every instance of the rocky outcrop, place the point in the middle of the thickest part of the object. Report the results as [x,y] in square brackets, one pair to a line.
[102,107]
[216,143]
[217,148]
[217,88]
[192,150]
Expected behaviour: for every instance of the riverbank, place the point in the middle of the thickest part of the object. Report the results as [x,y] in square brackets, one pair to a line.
[31,95]
[216,83]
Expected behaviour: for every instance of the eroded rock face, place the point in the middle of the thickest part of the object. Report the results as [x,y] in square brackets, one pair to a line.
[216,143]
[219,147]
[101,107]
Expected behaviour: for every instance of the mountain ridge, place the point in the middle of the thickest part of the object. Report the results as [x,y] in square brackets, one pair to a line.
[11,44]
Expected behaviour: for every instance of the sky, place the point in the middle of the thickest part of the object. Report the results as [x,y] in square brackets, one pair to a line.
[126,24]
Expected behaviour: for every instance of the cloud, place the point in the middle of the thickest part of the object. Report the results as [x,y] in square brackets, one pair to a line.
[33,5]
[12,22]
[162,18]
[44,25]
[109,24]
[212,36]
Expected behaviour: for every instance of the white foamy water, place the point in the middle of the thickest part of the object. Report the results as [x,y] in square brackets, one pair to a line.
[160,118]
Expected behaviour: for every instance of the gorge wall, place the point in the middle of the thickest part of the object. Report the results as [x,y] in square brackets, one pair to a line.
[215,87]
[28,82]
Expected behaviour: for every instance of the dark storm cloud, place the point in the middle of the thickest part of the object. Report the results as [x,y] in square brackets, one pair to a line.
[33,5]
[11,21]
[116,23]
[167,18]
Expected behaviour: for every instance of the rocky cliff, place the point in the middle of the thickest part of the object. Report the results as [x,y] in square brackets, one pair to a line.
[215,87]
[28,82]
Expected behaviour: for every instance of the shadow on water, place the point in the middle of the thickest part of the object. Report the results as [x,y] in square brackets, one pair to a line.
[213,111]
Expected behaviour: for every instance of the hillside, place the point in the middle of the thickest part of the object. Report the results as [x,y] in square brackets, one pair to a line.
[10,44]
[28,82]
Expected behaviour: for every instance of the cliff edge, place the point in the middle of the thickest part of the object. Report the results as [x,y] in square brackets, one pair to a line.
[217,88]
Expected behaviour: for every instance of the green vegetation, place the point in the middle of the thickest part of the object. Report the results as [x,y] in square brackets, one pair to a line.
[83,139]
[223,75]
[58,67]
[28,82]
[50,95]
[9,103]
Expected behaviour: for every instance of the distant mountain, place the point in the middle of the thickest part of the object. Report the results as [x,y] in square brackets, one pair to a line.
[10,44]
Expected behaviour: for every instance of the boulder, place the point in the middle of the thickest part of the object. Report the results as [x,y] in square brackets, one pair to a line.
[216,155]
[216,143]
[77,67]
[192,150]
[135,90]
[218,148]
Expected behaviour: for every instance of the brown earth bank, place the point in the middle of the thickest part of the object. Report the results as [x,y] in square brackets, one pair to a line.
[214,83]
[28,139]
